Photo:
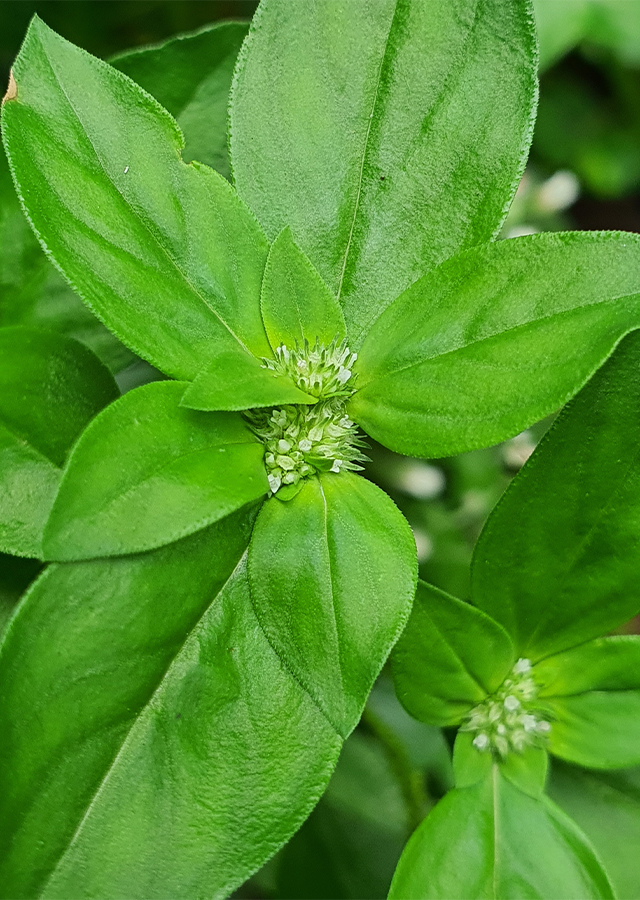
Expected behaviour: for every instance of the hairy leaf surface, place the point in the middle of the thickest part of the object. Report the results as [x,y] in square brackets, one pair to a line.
[449,657]
[165,253]
[146,728]
[556,574]
[495,339]
[148,472]
[387,134]
[332,574]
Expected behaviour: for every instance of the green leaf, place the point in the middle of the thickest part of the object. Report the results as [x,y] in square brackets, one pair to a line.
[449,657]
[236,380]
[32,292]
[148,472]
[332,575]
[606,805]
[50,388]
[593,696]
[15,576]
[387,134]
[296,303]
[495,339]
[557,562]
[163,252]
[152,744]
[190,75]
[491,840]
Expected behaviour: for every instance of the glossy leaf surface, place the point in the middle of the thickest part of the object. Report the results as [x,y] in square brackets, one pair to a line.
[33,293]
[296,303]
[387,134]
[606,805]
[332,574]
[556,574]
[190,75]
[147,726]
[495,339]
[449,657]
[491,841]
[236,380]
[148,472]
[163,252]
[50,388]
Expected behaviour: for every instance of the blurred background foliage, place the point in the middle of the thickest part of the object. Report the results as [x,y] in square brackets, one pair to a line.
[584,172]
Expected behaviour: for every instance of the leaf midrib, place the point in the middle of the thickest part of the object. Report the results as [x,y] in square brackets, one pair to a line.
[112,765]
[135,212]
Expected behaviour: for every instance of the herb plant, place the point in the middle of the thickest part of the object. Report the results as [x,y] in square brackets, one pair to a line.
[224,588]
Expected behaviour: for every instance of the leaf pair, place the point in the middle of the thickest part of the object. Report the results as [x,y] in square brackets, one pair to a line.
[553,569]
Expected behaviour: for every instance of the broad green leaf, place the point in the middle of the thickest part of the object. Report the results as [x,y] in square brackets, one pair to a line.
[296,303]
[557,562]
[32,292]
[387,134]
[593,696]
[491,841]
[148,472]
[165,253]
[190,75]
[606,805]
[449,657]
[332,575]
[50,388]
[151,742]
[469,765]
[495,339]
[236,380]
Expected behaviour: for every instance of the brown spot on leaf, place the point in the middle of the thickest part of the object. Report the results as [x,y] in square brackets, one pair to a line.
[12,90]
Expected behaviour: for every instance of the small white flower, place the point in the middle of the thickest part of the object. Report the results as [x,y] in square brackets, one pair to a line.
[481,741]
[305,445]
[529,723]
[274,482]
[543,727]
[511,703]
[337,464]
[522,666]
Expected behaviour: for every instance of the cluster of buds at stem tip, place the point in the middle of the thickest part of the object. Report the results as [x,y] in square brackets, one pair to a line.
[508,720]
[303,440]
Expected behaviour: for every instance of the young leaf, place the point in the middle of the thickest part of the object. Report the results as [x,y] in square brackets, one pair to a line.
[34,294]
[148,472]
[50,388]
[495,339]
[449,657]
[236,380]
[332,575]
[593,696]
[557,562]
[296,303]
[387,134]
[163,252]
[190,75]
[606,805]
[494,842]
[152,744]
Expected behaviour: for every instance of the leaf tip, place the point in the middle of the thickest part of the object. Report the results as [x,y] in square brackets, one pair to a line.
[12,89]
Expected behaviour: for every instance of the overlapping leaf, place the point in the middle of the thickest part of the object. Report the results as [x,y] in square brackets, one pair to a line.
[50,388]
[332,576]
[142,691]
[148,472]
[165,253]
[387,134]
[556,574]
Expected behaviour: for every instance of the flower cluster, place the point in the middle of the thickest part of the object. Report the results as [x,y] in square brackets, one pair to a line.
[506,720]
[301,440]
[320,371]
